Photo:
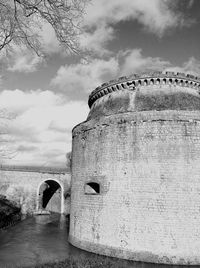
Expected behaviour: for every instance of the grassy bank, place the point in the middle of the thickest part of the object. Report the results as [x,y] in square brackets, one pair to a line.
[94,262]
[9,213]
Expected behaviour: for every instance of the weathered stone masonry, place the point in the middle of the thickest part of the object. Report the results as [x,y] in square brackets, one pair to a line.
[23,185]
[135,170]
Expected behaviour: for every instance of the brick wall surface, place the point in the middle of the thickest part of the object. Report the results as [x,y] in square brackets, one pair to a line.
[147,164]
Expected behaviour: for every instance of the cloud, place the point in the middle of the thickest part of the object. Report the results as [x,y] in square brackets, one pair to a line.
[191,66]
[26,61]
[134,62]
[79,78]
[23,60]
[190,3]
[99,28]
[155,15]
[48,39]
[42,125]
[101,17]
[19,101]
[0,81]
[26,148]
[86,77]
[95,40]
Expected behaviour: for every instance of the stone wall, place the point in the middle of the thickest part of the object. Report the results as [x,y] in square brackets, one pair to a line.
[135,81]
[147,166]
[159,97]
[22,187]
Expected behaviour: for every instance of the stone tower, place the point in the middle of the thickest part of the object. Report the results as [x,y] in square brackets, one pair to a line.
[136,170]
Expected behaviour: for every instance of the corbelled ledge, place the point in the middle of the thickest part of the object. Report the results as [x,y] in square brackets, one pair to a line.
[135,80]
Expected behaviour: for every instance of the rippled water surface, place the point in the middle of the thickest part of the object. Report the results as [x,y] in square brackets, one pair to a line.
[44,239]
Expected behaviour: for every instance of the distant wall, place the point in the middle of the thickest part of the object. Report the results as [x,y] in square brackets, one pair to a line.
[22,187]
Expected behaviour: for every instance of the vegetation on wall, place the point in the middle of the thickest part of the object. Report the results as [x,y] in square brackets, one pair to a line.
[9,213]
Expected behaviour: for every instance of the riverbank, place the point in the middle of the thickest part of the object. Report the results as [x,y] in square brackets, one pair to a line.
[9,213]
[94,262]
[106,262]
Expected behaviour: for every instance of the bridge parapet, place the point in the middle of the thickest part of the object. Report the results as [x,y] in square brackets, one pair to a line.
[21,183]
[40,169]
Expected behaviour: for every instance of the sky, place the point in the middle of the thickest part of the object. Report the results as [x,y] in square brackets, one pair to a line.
[41,100]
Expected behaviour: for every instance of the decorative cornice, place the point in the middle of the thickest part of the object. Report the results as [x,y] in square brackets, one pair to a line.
[135,80]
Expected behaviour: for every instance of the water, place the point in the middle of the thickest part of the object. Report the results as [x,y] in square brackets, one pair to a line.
[44,239]
[35,240]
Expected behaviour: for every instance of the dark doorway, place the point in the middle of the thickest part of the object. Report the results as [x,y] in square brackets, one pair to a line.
[50,196]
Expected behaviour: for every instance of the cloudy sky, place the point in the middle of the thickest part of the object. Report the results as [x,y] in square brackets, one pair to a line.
[45,99]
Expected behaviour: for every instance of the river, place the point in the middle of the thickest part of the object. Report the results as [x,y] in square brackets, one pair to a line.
[43,239]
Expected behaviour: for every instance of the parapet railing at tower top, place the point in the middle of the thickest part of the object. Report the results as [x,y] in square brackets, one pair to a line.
[39,169]
[151,78]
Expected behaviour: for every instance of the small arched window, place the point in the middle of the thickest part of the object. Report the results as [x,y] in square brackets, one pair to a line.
[152,82]
[176,81]
[92,188]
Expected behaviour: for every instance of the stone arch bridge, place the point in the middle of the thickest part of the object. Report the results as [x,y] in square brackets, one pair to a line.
[36,188]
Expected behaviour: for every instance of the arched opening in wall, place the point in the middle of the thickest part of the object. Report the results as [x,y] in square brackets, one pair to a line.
[50,196]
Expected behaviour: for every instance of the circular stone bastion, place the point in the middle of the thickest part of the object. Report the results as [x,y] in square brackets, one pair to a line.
[136,170]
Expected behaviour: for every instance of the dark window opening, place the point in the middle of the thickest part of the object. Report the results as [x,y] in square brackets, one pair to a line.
[92,188]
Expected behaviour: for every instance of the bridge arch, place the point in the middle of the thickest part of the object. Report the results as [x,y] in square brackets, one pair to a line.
[45,191]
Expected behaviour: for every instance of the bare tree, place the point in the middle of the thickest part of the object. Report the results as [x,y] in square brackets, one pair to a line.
[22,20]
[69,159]
[6,149]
